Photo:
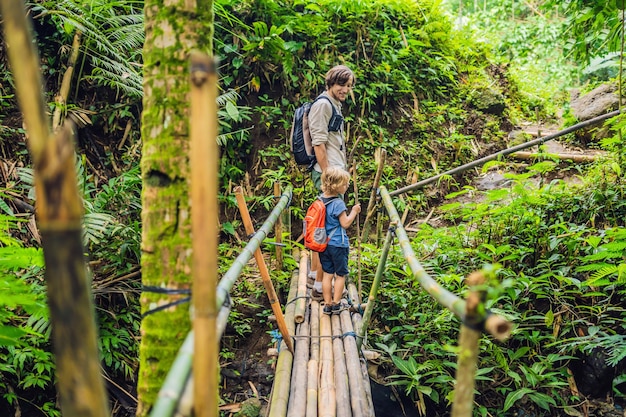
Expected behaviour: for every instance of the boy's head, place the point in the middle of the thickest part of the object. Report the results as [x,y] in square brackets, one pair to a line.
[340,75]
[335,180]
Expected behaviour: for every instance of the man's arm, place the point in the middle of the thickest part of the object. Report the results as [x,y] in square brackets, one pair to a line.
[320,154]
[319,116]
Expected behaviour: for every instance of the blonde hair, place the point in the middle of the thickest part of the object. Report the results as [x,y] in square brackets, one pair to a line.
[333,178]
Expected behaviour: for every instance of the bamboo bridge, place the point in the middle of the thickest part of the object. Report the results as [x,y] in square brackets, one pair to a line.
[326,375]
[321,368]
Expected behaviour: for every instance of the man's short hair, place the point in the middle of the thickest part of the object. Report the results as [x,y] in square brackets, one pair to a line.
[339,74]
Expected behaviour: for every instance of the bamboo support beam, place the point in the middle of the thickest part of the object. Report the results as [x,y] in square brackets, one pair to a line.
[265,274]
[342,389]
[444,297]
[353,293]
[278,233]
[326,399]
[368,390]
[358,228]
[372,201]
[357,319]
[302,280]
[578,158]
[204,162]
[315,330]
[284,366]
[468,349]
[311,388]
[371,300]
[59,218]
[508,151]
[353,366]
[299,390]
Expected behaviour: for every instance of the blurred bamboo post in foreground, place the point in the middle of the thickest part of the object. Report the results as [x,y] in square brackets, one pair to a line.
[59,214]
[204,159]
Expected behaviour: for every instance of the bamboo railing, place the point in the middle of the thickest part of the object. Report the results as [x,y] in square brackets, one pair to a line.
[507,151]
[496,325]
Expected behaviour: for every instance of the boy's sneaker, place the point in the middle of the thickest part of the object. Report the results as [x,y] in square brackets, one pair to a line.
[338,308]
[328,309]
[316,295]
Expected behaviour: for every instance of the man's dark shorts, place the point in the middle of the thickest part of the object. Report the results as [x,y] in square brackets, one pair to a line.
[334,260]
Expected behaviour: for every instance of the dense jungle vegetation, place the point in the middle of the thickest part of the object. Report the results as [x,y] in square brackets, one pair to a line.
[439,84]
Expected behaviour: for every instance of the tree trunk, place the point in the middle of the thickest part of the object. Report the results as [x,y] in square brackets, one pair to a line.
[173,29]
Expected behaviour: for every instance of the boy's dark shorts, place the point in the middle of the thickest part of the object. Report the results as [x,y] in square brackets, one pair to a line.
[334,260]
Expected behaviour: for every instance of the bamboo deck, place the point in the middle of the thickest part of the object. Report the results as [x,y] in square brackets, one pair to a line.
[326,376]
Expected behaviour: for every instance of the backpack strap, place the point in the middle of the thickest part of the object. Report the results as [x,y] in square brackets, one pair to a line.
[332,106]
[326,203]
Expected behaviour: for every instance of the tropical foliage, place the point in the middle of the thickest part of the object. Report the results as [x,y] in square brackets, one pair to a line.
[428,74]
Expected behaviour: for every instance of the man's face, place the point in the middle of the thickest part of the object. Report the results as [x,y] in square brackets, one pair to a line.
[339,92]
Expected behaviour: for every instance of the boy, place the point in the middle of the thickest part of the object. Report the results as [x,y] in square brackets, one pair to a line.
[334,259]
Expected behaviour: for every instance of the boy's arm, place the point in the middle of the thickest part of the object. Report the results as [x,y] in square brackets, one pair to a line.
[346,220]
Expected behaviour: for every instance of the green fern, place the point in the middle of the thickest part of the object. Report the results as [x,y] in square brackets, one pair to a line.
[112,38]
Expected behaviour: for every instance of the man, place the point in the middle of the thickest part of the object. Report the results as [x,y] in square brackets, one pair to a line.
[329,142]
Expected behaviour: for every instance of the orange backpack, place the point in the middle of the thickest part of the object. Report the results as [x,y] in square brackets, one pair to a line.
[314,226]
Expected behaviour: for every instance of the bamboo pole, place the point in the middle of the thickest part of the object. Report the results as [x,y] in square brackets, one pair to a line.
[342,389]
[278,233]
[371,203]
[302,280]
[299,390]
[59,218]
[379,228]
[578,158]
[358,227]
[357,319]
[469,338]
[371,300]
[440,294]
[326,400]
[184,408]
[353,293]
[355,377]
[265,275]
[175,381]
[315,330]
[311,388]
[64,91]
[284,366]
[204,162]
[507,151]
[368,390]
[314,362]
